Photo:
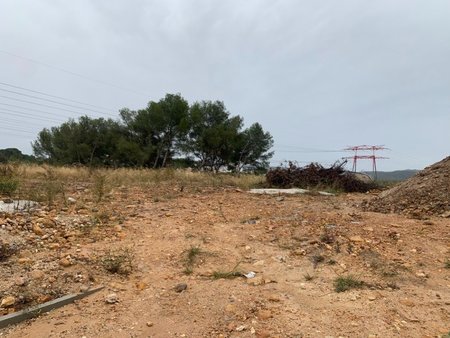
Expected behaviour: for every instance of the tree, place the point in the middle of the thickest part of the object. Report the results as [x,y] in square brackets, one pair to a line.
[165,130]
[169,118]
[13,154]
[139,135]
[212,135]
[159,127]
[86,141]
[253,148]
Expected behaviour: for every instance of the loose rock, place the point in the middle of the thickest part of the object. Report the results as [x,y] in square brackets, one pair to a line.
[111,298]
[180,287]
[8,301]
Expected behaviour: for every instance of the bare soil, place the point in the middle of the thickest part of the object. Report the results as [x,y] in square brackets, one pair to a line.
[296,245]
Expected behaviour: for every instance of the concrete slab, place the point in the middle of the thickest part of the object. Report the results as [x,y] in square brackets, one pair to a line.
[292,191]
[17,205]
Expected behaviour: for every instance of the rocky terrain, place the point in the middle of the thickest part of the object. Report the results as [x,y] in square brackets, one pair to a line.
[426,193]
[173,260]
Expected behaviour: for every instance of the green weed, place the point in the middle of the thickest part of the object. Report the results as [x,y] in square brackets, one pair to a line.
[118,262]
[233,273]
[345,283]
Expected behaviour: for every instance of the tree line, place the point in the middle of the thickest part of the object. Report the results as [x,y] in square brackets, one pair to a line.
[14,155]
[163,134]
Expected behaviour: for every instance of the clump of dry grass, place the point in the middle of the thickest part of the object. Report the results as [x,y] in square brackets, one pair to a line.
[148,177]
[233,273]
[142,177]
[64,174]
[118,261]
[9,181]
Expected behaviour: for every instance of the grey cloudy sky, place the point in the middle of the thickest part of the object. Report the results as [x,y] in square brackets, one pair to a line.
[319,75]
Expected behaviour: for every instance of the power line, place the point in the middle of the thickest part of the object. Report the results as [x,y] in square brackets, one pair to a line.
[9,119]
[14,122]
[307,151]
[72,73]
[41,104]
[54,96]
[52,101]
[22,114]
[13,134]
[19,130]
[303,149]
[29,109]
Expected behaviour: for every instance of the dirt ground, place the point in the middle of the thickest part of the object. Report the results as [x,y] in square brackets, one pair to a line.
[181,241]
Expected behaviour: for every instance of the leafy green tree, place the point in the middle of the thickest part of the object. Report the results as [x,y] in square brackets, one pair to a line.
[169,118]
[213,135]
[159,127]
[139,136]
[253,148]
[86,141]
[158,136]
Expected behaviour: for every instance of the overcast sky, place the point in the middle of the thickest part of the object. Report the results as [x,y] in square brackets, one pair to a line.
[318,75]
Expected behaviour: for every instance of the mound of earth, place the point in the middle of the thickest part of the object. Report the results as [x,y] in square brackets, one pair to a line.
[426,193]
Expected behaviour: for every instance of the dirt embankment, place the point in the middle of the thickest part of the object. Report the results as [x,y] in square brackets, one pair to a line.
[425,194]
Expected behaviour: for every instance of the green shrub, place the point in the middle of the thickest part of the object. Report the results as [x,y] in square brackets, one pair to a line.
[342,283]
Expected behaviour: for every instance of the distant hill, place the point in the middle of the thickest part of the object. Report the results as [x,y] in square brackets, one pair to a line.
[13,154]
[397,175]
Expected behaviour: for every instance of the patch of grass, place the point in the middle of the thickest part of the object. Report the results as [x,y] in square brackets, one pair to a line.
[226,274]
[8,186]
[118,262]
[192,253]
[188,270]
[447,264]
[100,187]
[191,256]
[308,277]
[8,179]
[345,283]
[233,273]
[317,259]
[190,180]
[51,186]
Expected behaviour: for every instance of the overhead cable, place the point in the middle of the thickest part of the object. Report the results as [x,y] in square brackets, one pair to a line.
[72,73]
[54,96]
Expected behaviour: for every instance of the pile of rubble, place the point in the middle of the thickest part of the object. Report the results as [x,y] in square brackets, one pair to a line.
[425,194]
[316,176]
